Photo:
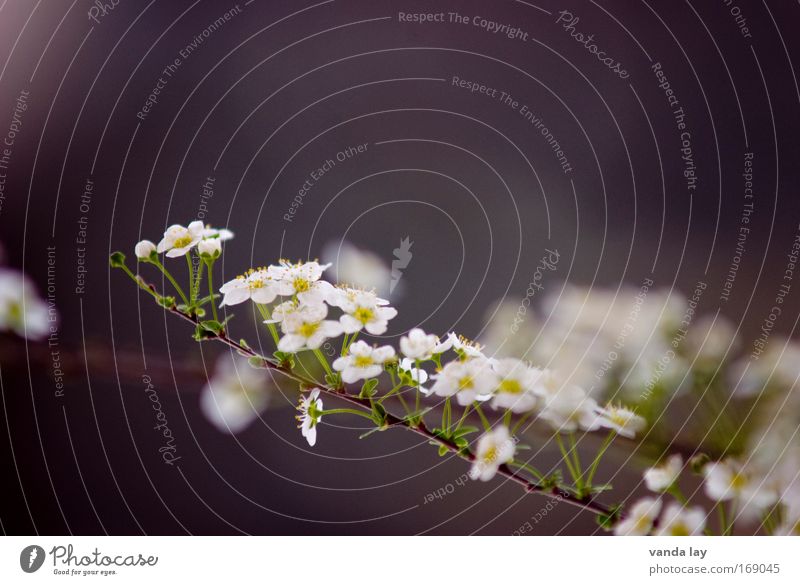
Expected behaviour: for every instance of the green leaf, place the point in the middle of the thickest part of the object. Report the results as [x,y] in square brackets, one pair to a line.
[463,431]
[117,260]
[379,412]
[604,487]
[212,325]
[257,362]
[207,299]
[286,360]
[443,450]
[368,389]
[166,302]
[202,334]
[607,521]
[333,380]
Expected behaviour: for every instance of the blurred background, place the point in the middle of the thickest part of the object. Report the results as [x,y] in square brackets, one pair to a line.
[521,174]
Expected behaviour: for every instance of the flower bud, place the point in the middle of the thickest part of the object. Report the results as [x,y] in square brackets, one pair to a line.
[144,249]
[211,248]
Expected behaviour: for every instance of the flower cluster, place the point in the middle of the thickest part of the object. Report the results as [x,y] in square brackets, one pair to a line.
[21,309]
[468,383]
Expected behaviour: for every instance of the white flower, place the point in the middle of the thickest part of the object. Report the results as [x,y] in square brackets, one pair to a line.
[21,309]
[680,521]
[360,268]
[570,408]
[728,480]
[306,328]
[464,347]
[418,345]
[283,310]
[362,310]
[178,240]
[210,247]
[661,478]
[143,249]
[516,385]
[310,414]
[640,518]
[236,394]
[469,381]
[222,235]
[253,284]
[495,448]
[362,361]
[622,420]
[418,375]
[301,279]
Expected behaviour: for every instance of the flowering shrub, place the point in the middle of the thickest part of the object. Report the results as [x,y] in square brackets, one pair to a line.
[482,401]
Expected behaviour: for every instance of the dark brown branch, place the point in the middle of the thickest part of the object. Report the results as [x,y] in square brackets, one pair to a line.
[586,503]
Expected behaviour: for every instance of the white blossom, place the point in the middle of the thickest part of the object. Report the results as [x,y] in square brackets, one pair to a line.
[622,420]
[178,240]
[418,375]
[362,310]
[363,361]
[236,394]
[640,518]
[468,381]
[360,268]
[569,409]
[307,328]
[210,247]
[516,385]
[222,235]
[301,279]
[729,480]
[21,309]
[253,284]
[144,249]
[661,478]
[679,521]
[310,408]
[461,345]
[418,345]
[495,448]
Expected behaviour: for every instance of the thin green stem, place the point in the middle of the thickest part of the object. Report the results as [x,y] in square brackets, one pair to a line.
[211,289]
[676,493]
[191,279]
[463,417]
[199,279]
[723,521]
[484,420]
[169,277]
[566,457]
[596,463]
[348,411]
[324,361]
[520,422]
[140,283]
[507,418]
[390,393]
[576,460]
[536,473]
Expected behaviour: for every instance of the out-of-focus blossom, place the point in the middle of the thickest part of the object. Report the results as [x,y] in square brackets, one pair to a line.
[236,394]
[679,521]
[21,309]
[358,268]
[662,477]
[640,518]
[495,448]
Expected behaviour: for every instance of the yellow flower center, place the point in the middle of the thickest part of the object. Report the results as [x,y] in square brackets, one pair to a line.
[679,529]
[510,386]
[182,242]
[363,361]
[308,329]
[301,285]
[738,481]
[255,284]
[364,315]
[466,382]
[642,524]
[490,455]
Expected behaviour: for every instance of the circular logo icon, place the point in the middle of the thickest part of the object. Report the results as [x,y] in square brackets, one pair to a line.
[31,558]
